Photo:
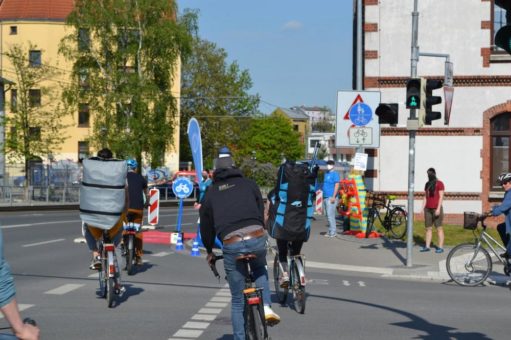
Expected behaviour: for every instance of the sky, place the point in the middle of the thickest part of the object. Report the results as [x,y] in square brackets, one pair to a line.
[297,52]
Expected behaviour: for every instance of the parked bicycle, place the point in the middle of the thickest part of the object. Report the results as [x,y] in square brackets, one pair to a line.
[392,221]
[255,325]
[469,264]
[129,250]
[7,336]
[297,281]
[109,274]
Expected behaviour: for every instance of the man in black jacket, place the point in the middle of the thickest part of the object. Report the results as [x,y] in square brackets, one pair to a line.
[233,209]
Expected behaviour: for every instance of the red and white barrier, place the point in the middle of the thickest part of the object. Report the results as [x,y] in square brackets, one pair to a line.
[154,206]
[318,209]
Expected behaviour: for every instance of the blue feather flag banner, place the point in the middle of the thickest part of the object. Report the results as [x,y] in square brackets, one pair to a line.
[196,146]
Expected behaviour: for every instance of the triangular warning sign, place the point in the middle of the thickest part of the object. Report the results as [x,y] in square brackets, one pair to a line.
[358,99]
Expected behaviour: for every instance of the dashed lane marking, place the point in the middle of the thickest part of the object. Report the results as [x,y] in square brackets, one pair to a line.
[21,308]
[188,333]
[162,253]
[361,283]
[204,317]
[195,324]
[64,289]
[216,304]
[220,299]
[37,223]
[42,243]
[346,283]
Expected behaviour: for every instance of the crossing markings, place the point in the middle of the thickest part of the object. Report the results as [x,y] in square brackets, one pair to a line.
[361,283]
[346,283]
[64,289]
[42,243]
[201,320]
[162,253]
[21,308]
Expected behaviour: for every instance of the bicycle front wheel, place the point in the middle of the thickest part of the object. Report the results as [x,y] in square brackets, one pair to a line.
[281,292]
[298,289]
[398,223]
[468,265]
[110,292]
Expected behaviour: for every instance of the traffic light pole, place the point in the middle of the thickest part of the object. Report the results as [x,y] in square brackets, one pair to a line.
[412,126]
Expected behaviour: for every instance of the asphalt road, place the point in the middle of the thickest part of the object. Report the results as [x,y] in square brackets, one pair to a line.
[175,296]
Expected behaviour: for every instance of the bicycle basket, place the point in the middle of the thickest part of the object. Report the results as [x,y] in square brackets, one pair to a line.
[470,220]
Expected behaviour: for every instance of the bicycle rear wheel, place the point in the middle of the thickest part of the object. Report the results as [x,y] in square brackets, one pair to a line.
[298,288]
[398,223]
[281,292]
[255,328]
[468,265]
[130,255]
[370,221]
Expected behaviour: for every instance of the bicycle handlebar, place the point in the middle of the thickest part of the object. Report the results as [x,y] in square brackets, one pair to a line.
[213,266]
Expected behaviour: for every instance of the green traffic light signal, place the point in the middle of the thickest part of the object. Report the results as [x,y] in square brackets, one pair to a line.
[413,93]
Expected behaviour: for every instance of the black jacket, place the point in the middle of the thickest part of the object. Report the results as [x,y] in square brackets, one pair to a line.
[231,203]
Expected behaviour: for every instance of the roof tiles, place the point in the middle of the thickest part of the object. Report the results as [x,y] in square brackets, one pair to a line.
[35,9]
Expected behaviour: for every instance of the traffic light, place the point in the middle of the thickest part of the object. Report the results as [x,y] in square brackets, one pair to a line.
[413,93]
[503,36]
[431,100]
[387,114]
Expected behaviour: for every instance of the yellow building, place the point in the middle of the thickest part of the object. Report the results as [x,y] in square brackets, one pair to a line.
[299,120]
[42,23]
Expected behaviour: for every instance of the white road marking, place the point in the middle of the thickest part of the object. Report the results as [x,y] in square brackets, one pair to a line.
[38,223]
[351,268]
[189,333]
[209,310]
[21,307]
[44,242]
[204,317]
[196,325]
[96,275]
[64,289]
[79,240]
[361,283]
[220,299]
[346,283]
[162,253]
[216,304]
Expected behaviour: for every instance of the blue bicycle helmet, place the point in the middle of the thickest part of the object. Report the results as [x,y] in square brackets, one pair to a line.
[132,164]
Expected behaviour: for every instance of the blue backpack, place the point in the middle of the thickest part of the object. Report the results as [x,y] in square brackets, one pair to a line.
[291,208]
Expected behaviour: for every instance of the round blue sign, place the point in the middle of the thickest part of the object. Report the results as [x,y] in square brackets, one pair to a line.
[361,114]
[182,187]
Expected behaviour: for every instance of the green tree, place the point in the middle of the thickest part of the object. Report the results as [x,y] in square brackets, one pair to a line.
[323,126]
[271,138]
[216,93]
[125,55]
[35,122]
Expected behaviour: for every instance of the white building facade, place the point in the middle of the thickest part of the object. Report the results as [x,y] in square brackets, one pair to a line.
[468,154]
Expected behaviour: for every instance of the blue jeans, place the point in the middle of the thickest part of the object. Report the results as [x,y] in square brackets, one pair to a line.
[331,210]
[236,274]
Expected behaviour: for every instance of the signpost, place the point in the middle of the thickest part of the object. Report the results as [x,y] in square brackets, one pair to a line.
[356,123]
[182,188]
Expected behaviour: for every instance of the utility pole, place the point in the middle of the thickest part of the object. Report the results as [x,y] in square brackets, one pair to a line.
[412,126]
[360,49]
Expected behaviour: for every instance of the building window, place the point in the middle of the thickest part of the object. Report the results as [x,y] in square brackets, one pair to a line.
[83,79]
[34,97]
[83,150]
[83,39]
[14,100]
[83,115]
[295,127]
[34,58]
[34,133]
[13,30]
[500,135]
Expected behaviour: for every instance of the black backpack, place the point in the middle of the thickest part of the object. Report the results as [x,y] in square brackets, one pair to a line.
[291,209]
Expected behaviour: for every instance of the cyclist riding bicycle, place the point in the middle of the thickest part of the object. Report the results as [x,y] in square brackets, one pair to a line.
[137,188]
[93,233]
[233,209]
[504,229]
[8,304]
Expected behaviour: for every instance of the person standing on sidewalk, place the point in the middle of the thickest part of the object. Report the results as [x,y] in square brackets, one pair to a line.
[433,211]
[233,209]
[330,190]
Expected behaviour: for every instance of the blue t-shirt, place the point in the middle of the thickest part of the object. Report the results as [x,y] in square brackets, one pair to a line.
[331,178]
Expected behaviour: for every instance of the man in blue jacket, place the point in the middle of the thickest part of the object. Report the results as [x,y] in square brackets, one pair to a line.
[505,208]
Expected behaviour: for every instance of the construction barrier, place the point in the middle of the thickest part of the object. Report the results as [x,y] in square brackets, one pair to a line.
[352,203]
[154,206]
[318,209]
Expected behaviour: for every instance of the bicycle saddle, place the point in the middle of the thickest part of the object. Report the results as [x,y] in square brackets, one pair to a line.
[246,257]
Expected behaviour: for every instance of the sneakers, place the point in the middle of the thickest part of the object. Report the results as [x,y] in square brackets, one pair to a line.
[439,250]
[424,249]
[329,235]
[95,263]
[119,289]
[284,280]
[270,316]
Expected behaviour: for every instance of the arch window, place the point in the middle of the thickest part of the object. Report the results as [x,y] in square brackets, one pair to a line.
[500,151]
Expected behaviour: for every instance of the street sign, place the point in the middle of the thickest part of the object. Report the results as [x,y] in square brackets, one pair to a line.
[360,136]
[360,161]
[360,114]
[346,102]
[182,187]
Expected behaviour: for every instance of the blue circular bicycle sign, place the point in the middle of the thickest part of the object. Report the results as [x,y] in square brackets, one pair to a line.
[360,114]
[182,187]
